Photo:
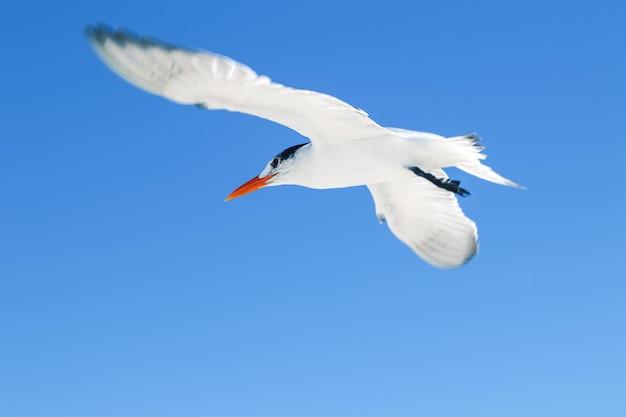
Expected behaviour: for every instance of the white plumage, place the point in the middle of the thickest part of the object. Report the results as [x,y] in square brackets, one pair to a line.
[401,168]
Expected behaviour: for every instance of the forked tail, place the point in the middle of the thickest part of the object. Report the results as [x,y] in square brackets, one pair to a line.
[462,152]
[467,146]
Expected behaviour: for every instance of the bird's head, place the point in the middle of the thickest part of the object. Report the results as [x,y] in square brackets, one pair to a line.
[276,172]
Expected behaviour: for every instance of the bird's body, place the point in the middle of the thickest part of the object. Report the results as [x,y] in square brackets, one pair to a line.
[366,161]
[402,168]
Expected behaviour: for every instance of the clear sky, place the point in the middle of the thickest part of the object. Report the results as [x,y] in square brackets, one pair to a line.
[128,287]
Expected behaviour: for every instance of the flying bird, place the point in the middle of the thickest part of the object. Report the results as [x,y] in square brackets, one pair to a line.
[401,168]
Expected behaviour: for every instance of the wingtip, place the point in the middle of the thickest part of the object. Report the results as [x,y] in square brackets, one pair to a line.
[101,32]
[98,34]
[97,31]
[90,31]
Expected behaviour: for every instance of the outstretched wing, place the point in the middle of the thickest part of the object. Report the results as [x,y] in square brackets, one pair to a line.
[428,219]
[217,82]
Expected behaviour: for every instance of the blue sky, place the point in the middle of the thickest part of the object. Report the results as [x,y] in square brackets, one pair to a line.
[129,288]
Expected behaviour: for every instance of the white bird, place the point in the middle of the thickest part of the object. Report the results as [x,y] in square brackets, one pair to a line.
[401,168]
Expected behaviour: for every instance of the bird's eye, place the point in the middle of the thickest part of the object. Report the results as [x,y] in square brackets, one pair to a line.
[274,163]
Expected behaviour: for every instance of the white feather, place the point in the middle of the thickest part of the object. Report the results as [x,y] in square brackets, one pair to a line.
[217,82]
[428,219]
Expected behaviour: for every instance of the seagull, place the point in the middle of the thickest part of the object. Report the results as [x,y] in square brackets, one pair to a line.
[401,168]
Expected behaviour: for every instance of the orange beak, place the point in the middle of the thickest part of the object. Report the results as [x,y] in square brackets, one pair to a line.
[252,185]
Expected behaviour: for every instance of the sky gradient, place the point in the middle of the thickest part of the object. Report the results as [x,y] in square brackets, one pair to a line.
[128,287]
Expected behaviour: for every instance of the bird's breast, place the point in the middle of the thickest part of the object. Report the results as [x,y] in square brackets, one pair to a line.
[349,164]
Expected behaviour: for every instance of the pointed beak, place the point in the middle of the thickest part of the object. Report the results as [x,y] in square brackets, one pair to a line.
[252,185]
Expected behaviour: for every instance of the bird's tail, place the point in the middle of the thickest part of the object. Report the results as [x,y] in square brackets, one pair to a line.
[462,152]
[470,154]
